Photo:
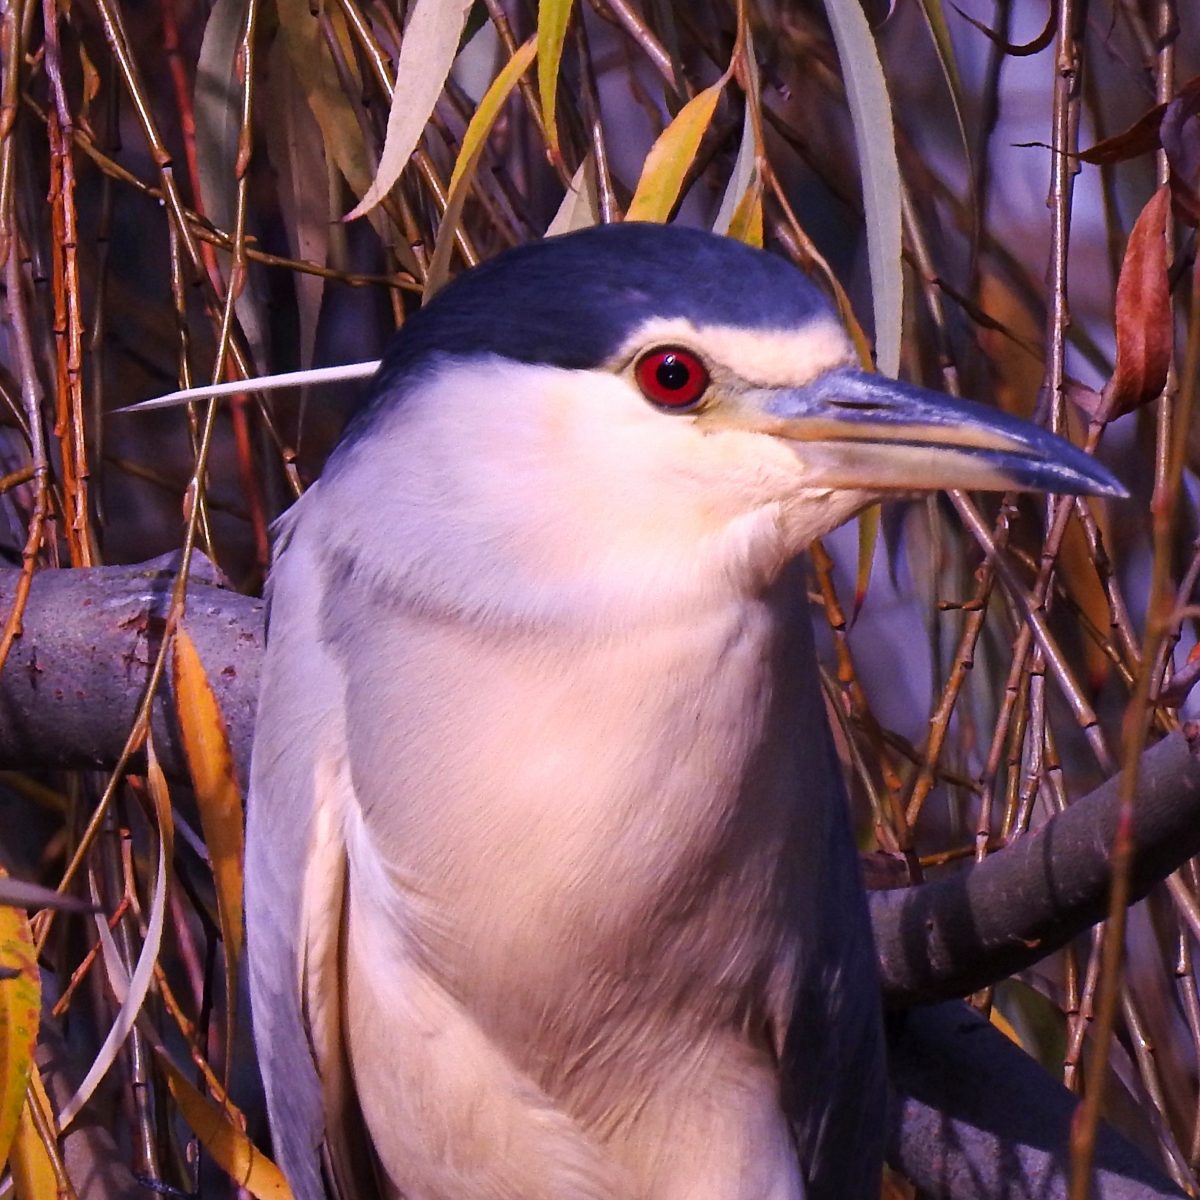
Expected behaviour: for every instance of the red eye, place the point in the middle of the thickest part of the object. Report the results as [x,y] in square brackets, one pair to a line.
[671,377]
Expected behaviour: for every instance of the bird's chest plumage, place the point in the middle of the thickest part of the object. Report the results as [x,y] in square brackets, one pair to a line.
[585,824]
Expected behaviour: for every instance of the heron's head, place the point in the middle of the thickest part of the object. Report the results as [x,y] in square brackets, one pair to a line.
[640,400]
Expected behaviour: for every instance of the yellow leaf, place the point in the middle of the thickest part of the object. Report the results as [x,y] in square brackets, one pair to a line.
[468,157]
[218,796]
[91,80]
[670,156]
[157,783]
[868,535]
[553,17]
[426,55]
[1005,1026]
[32,1171]
[489,109]
[746,224]
[20,1006]
[231,1149]
[341,133]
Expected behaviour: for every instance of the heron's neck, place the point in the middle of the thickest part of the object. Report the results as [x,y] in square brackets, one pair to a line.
[597,587]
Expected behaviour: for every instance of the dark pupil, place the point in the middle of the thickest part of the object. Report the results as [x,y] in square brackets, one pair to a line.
[672,374]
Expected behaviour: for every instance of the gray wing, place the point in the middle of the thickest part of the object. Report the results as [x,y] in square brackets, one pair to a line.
[295,892]
[834,1071]
[835,1076]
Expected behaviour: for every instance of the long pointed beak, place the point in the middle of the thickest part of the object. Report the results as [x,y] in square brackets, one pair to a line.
[856,430]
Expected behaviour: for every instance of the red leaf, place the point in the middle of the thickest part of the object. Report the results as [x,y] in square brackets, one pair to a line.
[1145,334]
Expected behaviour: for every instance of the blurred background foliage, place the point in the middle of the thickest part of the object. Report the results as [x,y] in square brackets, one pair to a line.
[966,182]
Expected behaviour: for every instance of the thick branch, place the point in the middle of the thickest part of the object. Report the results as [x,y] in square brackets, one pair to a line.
[73,680]
[957,935]
[973,1117]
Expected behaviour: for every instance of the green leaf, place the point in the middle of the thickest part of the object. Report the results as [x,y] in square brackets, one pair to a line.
[218,108]
[875,139]
[553,18]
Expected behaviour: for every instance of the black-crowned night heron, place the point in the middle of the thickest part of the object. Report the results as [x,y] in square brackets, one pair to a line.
[551,889]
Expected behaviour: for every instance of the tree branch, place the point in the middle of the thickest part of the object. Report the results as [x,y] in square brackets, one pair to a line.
[73,680]
[997,917]
[973,1117]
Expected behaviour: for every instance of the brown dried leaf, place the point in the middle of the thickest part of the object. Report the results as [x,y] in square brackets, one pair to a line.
[91,85]
[1143,313]
[1140,138]
[1078,574]
[1013,49]
[1086,399]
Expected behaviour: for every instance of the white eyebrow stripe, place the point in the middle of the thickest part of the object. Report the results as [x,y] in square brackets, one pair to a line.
[768,357]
